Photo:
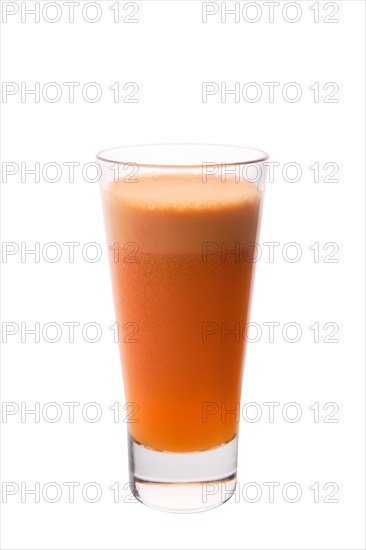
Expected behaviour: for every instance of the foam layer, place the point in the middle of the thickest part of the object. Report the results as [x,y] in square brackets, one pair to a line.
[181,192]
[170,214]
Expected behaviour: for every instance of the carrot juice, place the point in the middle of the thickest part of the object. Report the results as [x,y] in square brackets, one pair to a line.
[181,257]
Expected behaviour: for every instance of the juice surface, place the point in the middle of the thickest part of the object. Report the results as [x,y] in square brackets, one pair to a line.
[181,271]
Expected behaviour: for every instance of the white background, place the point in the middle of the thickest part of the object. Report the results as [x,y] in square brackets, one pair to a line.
[169,53]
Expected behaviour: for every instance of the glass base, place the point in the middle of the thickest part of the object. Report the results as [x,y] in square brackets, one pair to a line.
[183,482]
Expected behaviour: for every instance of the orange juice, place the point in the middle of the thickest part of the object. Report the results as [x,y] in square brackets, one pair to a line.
[182,286]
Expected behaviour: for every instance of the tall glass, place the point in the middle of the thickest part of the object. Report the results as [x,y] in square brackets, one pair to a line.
[182,224]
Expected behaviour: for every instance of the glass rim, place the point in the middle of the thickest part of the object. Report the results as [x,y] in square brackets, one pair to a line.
[256,155]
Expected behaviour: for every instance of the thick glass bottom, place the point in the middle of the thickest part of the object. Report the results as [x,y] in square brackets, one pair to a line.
[183,482]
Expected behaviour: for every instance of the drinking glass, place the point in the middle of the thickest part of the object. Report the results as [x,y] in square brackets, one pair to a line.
[182,226]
